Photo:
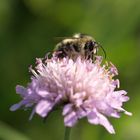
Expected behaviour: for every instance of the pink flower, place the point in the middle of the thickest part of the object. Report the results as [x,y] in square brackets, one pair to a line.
[81,87]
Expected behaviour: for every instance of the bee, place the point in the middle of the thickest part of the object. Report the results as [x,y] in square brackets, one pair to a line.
[82,45]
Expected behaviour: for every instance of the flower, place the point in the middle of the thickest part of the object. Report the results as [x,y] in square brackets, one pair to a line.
[81,87]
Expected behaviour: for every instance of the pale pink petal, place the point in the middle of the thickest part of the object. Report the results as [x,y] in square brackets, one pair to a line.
[97,118]
[43,107]
[70,119]
[67,109]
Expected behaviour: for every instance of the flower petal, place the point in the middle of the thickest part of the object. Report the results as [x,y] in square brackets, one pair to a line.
[67,109]
[15,107]
[95,117]
[43,107]
[21,90]
[70,119]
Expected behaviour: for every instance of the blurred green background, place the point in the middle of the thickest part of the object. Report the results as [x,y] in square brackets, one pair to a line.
[27,31]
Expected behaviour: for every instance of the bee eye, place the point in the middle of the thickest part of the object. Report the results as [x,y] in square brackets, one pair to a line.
[89,46]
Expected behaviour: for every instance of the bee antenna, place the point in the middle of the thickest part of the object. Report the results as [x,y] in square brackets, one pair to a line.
[103,50]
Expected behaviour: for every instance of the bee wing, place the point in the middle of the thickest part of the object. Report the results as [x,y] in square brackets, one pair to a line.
[58,39]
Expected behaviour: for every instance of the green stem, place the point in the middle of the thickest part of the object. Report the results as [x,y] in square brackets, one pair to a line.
[67,133]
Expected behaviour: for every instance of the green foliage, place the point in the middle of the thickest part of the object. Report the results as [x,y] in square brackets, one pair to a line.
[9,133]
[27,31]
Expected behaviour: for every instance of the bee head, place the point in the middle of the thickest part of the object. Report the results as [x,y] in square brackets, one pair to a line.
[91,46]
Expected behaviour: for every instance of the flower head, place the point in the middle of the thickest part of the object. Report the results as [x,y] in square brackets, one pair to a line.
[81,87]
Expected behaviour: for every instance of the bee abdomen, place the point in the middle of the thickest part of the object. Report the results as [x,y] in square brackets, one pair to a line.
[68,49]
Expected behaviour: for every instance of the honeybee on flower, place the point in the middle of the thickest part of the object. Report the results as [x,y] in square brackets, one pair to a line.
[82,45]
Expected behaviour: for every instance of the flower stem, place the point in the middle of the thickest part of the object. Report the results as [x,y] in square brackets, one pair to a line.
[67,133]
